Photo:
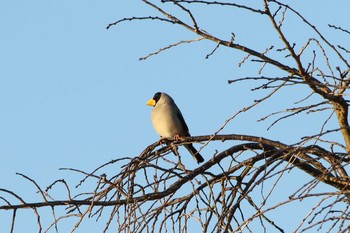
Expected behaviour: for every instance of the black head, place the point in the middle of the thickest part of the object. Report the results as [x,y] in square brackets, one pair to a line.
[157,96]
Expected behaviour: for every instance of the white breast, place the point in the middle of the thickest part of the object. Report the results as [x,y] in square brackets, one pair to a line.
[165,121]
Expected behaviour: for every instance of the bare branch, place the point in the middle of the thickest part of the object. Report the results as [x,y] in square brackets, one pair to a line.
[170,46]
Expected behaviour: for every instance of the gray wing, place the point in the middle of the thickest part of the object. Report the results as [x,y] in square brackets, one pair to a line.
[182,121]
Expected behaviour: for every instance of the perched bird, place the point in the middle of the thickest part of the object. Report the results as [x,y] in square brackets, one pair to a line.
[168,121]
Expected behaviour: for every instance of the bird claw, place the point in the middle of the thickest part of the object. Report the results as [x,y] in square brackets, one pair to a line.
[176,137]
[161,141]
[164,140]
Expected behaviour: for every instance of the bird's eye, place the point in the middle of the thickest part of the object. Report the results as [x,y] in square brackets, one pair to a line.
[156,96]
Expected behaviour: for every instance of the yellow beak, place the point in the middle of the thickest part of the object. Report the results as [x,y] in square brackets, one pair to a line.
[151,102]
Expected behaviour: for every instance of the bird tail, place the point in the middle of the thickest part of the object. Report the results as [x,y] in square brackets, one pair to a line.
[198,157]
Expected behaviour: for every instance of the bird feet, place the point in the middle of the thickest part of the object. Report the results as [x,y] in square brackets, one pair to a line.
[161,140]
[164,140]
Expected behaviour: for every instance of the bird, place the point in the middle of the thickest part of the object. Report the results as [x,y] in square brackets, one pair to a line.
[168,121]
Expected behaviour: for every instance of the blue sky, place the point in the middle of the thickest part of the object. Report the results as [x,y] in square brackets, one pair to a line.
[72,94]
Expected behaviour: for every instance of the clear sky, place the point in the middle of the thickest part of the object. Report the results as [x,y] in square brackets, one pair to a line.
[73,94]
